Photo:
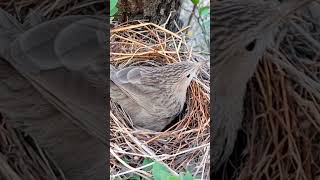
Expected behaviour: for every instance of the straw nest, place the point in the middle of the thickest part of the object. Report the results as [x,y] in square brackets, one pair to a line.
[21,158]
[185,145]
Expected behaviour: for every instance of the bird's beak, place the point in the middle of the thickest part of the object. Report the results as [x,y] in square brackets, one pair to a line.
[200,64]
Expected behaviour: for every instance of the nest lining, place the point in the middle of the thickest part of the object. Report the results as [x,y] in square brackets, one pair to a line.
[185,145]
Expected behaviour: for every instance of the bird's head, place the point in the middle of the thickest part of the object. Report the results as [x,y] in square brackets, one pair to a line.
[176,75]
[184,73]
[244,29]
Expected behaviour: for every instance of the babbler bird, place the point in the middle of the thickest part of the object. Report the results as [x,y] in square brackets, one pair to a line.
[53,86]
[152,96]
[242,31]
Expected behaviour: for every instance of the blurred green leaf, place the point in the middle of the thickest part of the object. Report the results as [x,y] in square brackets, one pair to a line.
[195,2]
[113,11]
[173,178]
[186,176]
[160,172]
[113,4]
[135,177]
[113,8]
[204,11]
[145,162]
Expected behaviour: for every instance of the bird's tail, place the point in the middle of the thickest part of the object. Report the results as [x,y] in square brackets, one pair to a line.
[10,29]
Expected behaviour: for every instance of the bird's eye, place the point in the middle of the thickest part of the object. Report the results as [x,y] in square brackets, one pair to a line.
[188,75]
[251,45]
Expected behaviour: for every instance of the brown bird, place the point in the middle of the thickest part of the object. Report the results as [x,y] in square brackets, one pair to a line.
[242,31]
[152,96]
[53,87]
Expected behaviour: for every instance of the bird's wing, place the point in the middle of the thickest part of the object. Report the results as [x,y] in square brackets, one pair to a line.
[68,145]
[78,153]
[129,80]
[65,61]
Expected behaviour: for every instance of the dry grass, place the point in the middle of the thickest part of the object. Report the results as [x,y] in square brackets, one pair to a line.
[186,143]
[22,159]
[53,9]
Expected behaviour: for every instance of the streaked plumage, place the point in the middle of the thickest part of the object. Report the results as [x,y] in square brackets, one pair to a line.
[152,96]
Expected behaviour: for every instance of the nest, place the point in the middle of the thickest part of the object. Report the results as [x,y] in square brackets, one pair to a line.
[184,145]
[22,158]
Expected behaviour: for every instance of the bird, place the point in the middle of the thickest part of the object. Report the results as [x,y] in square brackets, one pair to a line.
[243,30]
[152,96]
[53,86]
